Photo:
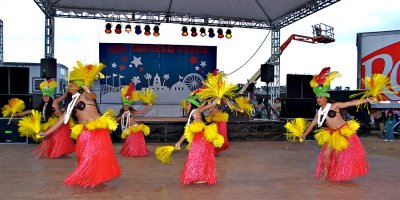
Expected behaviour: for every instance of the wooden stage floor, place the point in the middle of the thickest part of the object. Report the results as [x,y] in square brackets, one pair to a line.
[248,170]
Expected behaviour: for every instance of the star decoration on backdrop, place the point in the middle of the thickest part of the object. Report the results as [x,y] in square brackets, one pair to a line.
[203,64]
[193,60]
[197,68]
[141,69]
[113,65]
[136,61]
[123,58]
[121,67]
[130,65]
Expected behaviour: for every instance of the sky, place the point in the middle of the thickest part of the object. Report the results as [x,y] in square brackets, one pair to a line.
[78,39]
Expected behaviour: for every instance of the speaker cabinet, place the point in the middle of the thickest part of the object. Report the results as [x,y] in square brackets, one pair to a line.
[298,86]
[48,68]
[4,81]
[14,80]
[267,73]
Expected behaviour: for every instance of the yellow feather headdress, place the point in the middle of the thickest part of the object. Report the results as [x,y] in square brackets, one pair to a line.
[218,87]
[86,74]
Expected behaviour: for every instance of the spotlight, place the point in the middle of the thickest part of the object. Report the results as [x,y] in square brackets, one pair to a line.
[156,31]
[147,30]
[138,30]
[194,31]
[108,28]
[184,31]
[211,33]
[203,32]
[220,33]
[118,28]
[228,34]
[128,28]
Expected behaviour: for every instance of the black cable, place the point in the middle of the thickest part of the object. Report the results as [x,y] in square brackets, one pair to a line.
[252,55]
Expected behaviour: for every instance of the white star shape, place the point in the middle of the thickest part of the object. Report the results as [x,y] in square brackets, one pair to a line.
[203,64]
[136,61]
[197,68]
[113,65]
[130,65]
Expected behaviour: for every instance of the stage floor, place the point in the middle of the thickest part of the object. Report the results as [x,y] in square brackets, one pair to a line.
[248,170]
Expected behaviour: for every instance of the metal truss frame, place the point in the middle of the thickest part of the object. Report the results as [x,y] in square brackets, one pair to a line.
[1,43]
[113,15]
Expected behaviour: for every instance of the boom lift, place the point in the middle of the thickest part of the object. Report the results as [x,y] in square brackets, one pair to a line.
[322,33]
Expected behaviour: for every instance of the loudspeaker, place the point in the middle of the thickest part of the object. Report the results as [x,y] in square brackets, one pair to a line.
[9,132]
[267,73]
[14,80]
[294,108]
[298,86]
[48,68]
[19,80]
[4,81]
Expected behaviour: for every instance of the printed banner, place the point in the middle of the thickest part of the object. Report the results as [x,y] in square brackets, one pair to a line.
[173,71]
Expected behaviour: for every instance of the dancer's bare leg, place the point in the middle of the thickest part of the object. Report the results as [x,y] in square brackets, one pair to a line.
[327,155]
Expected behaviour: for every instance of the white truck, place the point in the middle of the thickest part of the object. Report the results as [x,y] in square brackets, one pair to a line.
[378,52]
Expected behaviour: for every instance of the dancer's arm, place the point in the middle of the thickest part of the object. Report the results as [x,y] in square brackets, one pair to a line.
[353,102]
[88,94]
[144,109]
[54,127]
[21,114]
[310,127]
[178,144]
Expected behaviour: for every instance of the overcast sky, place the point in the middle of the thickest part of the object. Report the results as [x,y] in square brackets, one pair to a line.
[77,39]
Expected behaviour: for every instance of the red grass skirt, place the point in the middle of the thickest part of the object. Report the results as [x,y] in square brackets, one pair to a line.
[222,131]
[200,162]
[96,159]
[56,144]
[134,145]
[344,165]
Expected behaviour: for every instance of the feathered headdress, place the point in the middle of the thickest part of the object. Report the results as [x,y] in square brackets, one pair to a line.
[217,87]
[85,74]
[129,95]
[321,82]
[48,87]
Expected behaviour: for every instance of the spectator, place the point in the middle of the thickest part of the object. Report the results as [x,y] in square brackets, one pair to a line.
[276,107]
[389,126]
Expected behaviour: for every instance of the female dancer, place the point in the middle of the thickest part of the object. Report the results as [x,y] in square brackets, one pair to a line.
[342,156]
[59,143]
[200,162]
[94,151]
[132,132]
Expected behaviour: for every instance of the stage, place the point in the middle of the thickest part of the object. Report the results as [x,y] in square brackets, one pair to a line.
[170,129]
[248,170]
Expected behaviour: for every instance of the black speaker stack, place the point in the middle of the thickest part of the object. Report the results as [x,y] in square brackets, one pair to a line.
[267,73]
[48,68]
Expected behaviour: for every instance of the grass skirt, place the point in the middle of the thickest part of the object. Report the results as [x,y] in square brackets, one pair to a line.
[222,130]
[96,159]
[56,144]
[134,145]
[200,162]
[343,165]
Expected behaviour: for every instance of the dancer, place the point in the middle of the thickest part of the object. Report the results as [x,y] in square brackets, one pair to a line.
[200,163]
[132,132]
[59,143]
[342,156]
[95,155]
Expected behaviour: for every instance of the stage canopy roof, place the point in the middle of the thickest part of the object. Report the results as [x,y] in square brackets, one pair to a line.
[261,14]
